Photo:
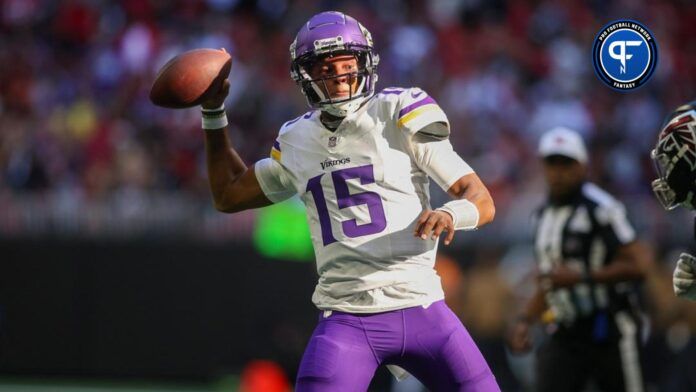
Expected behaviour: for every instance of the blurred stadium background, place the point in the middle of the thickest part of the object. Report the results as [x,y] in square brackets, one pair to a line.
[116,273]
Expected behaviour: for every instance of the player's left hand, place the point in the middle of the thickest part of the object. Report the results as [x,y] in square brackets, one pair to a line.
[684,279]
[431,223]
[562,276]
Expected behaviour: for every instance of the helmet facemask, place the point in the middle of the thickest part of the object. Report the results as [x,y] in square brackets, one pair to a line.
[316,90]
[663,191]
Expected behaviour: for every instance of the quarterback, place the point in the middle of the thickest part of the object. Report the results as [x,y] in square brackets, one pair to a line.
[675,161]
[360,161]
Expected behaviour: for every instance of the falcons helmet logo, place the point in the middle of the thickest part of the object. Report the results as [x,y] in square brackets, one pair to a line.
[675,160]
[678,139]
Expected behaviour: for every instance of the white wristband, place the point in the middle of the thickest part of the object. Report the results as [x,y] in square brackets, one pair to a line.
[214,123]
[214,118]
[465,214]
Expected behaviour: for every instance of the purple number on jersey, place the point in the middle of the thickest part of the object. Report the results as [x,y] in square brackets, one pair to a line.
[351,228]
[378,221]
[314,186]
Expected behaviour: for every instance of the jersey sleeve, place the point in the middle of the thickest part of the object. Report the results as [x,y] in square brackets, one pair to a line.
[438,160]
[416,109]
[614,224]
[273,177]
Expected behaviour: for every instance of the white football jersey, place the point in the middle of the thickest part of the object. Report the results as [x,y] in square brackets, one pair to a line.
[364,185]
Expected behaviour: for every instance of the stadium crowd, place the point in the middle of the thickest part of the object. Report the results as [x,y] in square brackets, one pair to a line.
[78,129]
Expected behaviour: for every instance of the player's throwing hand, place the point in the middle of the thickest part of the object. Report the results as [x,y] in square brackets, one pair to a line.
[219,98]
[684,279]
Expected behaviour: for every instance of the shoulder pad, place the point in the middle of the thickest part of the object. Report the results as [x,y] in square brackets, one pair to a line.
[289,124]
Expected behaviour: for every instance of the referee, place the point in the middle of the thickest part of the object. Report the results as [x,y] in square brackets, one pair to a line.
[588,261]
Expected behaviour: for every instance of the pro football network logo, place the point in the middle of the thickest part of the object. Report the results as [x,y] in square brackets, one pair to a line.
[624,55]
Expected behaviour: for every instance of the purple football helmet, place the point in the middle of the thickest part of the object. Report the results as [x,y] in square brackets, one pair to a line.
[329,34]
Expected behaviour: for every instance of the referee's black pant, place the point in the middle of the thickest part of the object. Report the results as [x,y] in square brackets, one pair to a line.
[567,364]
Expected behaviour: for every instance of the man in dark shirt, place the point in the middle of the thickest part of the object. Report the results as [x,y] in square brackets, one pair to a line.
[588,261]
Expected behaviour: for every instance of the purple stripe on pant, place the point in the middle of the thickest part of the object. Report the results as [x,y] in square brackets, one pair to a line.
[432,344]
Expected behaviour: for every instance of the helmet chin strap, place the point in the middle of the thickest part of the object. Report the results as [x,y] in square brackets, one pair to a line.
[343,109]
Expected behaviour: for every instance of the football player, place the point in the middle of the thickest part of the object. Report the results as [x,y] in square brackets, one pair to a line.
[675,161]
[361,160]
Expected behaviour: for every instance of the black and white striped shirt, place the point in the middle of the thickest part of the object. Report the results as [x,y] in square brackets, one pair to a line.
[583,234]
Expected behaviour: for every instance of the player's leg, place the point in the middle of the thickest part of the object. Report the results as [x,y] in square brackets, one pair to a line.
[440,352]
[338,357]
[560,366]
[618,365]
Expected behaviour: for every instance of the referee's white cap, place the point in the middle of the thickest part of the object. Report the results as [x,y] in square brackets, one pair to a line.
[565,142]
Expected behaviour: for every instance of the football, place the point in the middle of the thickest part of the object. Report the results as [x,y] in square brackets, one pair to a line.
[190,78]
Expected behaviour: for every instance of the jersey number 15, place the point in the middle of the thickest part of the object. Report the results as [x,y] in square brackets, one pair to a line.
[344,199]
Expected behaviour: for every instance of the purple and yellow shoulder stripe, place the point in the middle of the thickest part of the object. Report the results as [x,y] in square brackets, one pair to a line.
[275,151]
[416,109]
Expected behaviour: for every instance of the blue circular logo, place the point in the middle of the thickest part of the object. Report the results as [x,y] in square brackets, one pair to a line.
[624,54]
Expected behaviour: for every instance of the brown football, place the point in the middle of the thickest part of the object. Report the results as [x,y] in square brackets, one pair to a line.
[190,78]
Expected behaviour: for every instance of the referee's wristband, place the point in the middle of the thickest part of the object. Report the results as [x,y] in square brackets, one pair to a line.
[214,118]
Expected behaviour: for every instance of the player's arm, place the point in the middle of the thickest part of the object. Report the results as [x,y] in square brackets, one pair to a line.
[471,188]
[472,205]
[234,185]
[471,208]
